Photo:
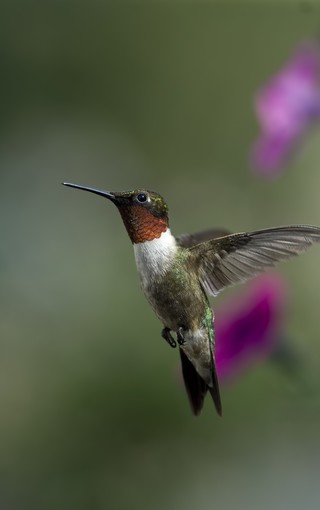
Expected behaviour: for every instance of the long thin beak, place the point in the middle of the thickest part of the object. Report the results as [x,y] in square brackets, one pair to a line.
[101,192]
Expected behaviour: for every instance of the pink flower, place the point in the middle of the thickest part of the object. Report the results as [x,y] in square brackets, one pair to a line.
[286,107]
[249,326]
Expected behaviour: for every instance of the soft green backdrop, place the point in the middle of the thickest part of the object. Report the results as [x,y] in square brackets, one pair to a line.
[160,95]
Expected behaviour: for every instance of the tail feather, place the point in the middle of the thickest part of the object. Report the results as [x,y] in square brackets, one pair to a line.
[214,390]
[196,386]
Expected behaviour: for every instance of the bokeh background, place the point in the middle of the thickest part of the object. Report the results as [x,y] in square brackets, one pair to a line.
[156,95]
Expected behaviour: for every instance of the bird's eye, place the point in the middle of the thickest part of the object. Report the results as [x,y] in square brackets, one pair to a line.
[142,197]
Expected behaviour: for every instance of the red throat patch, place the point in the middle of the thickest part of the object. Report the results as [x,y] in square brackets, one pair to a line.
[141,224]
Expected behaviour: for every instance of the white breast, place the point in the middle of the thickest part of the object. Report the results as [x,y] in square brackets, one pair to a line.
[154,257]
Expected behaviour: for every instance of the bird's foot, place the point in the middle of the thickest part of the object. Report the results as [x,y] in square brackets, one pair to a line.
[180,336]
[165,333]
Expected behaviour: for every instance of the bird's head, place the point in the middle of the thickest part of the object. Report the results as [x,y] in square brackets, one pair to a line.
[144,213]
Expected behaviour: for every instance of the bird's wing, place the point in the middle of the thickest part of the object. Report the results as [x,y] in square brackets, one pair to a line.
[237,257]
[189,240]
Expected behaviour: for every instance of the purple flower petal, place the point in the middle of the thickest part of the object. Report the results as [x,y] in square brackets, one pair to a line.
[248,327]
[270,151]
[286,107]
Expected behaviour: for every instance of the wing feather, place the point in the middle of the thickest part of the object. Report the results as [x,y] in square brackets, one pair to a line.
[189,240]
[235,258]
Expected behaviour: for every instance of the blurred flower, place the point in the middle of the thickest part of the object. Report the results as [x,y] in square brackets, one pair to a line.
[286,107]
[248,327]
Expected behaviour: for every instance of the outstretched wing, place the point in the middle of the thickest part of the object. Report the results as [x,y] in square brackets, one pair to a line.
[236,258]
[189,240]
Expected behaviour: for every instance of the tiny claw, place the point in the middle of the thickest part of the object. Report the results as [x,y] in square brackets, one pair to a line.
[180,336]
[165,333]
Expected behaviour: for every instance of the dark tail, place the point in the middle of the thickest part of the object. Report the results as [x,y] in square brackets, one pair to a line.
[214,390]
[197,388]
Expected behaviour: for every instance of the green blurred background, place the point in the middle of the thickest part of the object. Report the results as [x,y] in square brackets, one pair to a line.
[156,95]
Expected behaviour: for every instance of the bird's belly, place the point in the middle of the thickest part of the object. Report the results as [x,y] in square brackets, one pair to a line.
[177,301]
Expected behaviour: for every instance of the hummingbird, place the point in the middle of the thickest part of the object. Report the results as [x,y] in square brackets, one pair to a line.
[177,274]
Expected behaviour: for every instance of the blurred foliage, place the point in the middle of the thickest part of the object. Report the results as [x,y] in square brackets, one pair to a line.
[118,96]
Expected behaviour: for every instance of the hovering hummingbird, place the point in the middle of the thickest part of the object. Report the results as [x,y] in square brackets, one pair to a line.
[178,273]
